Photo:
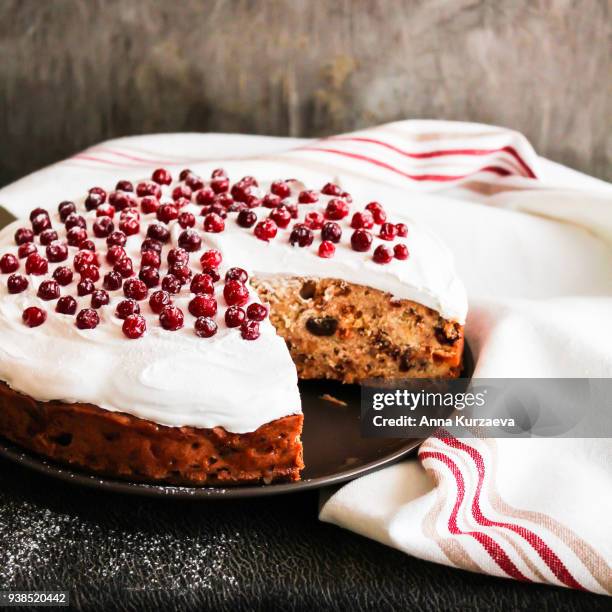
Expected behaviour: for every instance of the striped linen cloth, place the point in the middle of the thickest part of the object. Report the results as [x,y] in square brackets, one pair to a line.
[532,242]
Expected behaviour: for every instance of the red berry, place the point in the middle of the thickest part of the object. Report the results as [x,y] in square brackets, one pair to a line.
[190,240]
[336,210]
[148,188]
[87,245]
[41,222]
[48,290]
[266,230]
[181,191]
[92,201]
[246,218]
[125,308]
[66,305]
[240,191]
[8,263]
[65,209]
[281,189]
[25,249]
[63,275]
[176,256]
[213,223]
[150,259]
[387,231]
[308,197]
[149,205]
[331,231]
[326,249]
[301,235]
[134,326]
[85,287]
[105,210]
[400,251]
[149,276]
[218,173]
[314,220]
[135,289]
[83,259]
[125,267]
[211,259]
[99,298]
[249,181]
[194,182]
[186,172]
[361,240]
[90,272]
[257,312]
[234,316]
[16,283]
[205,327]
[235,293]
[161,176]
[331,189]
[205,196]
[38,211]
[249,330]
[23,235]
[225,200]
[98,191]
[116,238]
[377,212]
[76,236]
[74,220]
[220,184]
[87,319]
[33,316]
[186,219]
[112,281]
[252,201]
[48,236]
[271,200]
[158,232]
[363,220]
[281,216]
[216,208]
[212,272]
[237,274]
[124,201]
[171,284]
[346,196]
[382,254]
[115,253]
[171,318]
[203,306]
[167,212]
[36,264]
[159,300]
[401,230]
[103,226]
[56,252]
[150,244]
[124,186]
[202,283]
[130,226]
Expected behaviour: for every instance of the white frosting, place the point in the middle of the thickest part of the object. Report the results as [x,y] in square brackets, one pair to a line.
[177,378]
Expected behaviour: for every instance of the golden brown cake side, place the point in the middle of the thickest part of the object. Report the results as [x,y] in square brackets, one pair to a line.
[350,333]
[125,446]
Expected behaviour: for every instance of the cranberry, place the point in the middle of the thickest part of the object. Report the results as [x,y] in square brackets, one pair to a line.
[16,283]
[112,281]
[218,173]
[150,259]
[189,240]
[159,300]
[124,201]
[401,229]
[90,272]
[326,249]
[125,308]
[205,327]
[63,275]
[301,235]
[204,196]
[85,287]
[149,205]
[181,191]
[281,216]
[293,210]
[159,232]
[76,236]
[125,267]
[203,306]
[308,197]
[234,316]
[134,326]
[387,231]
[167,213]
[216,208]
[314,220]
[148,188]
[41,222]
[213,223]
[400,251]
[135,289]
[99,192]
[83,259]
[116,238]
[212,272]
[249,330]
[38,211]
[194,182]
[271,200]
[181,271]
[87,319]
[257,312]
[186,219]
[48,236]
[149,276]
[331,189]
[184,174]
[235,293]
[36,264]
[105,210]
[65,209]
[23,235]
[130,226]
[363,220]
[103,226]
[74,220]
[331,231]
[240,191]
[33,316]
[124,186]
[236,274]
[281,189]
[66,305]
[220,184]
[171,284]
[202,283]
[25,249]
[171,318]
[115,253]
[252,201]
[150,244]
[177,256]
[361,240]
[346,196]
[382,254]
[56,252]
[8,263]
[336,210]
[246,218]
[92,201]
[266,230]
[161,176]
[99,298]
[211,259]
[377,212]
[87,245]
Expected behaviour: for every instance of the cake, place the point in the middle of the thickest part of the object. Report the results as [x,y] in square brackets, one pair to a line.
[156,332]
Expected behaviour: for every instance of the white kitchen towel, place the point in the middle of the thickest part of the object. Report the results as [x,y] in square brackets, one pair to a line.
[533,244]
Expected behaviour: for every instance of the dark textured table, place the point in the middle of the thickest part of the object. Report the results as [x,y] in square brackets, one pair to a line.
[127,553]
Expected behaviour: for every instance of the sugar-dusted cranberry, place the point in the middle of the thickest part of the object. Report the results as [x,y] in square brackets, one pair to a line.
[40,223]
[378,212]
[66,305]
[216,208]
[237,274]
[211,258]
[181,203]
[171,318]
[103,226]
[98,191]
[205,327]
[363,220]
[26,249]
[177,256]
[135,289]
[246,218]
[293,210]
[213,223]
[202,283]
[234,316]
[257,312]
[361,240]
[36,264]
[235,293]
[115,253]
[48,236]
[112,281]
[87,245]
[63,275]
[56,252]
[105,210]
[76,236]
[149,205]
[134,326]
[116,238]
[331,232]
[331,189]
[240,191]
[130,226]
[220,184]
[180,271]
[65,209]
[184,174]
[87,318]
[99,298]
[281,189]
[167,213]
[308,197]
[150,259]
[218,173]
[124,186]
[252,201]
[387,231]
[203,306]
[125,308]
[314,220]
[74,220]
[92,201]
[150,244]
[85,287]
[301,235]
[159,300]
[23,235]
[186,220]
[327,249]
[171,284]
[181,191]
[149,275]
[148,188]
[266,230]
[346,196]
[401,230]
[8,263]
[204,196]
[124,201]
[225,200]
[271,200]
[161,176]
[159,232]
[249,330]
[212,272]
[382,254]
[37,211]
[194,182]
[190,240]
[34,316]
[16,283]
[281,216]
[90,272]
[84,258]
[400,251]
[336,209]
[125,267]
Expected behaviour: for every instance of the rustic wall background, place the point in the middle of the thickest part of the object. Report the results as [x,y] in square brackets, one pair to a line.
[74,72]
